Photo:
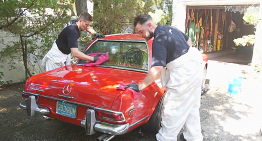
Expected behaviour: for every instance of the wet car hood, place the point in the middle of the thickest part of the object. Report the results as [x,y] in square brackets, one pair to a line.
[94,86]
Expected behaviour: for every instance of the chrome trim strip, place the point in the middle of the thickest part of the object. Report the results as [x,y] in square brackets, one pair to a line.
[122,40]
[112,129]
[90,121]
[86,50]
[42,111]
[148,61]
[65,96]
[114,40]
[114,120]
[139,41]
[138,121]
[83,122]
[115,67]
[76,103]
[38,110]
[131,111]
[112,112]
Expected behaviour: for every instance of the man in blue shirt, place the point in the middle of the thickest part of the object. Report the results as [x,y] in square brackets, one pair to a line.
[172,54]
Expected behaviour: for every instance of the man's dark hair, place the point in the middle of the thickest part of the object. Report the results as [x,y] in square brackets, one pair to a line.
[86,17]
[141,19]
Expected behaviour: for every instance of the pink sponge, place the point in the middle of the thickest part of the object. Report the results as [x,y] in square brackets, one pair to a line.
[123,86]
[101,59]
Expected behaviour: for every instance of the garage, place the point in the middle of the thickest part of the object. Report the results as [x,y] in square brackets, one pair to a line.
[196,14]
[213,28]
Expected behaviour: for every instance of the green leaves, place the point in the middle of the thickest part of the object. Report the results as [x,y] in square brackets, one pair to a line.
[112,16]
[251,16]
[34,24]
[4,82]
[245,40]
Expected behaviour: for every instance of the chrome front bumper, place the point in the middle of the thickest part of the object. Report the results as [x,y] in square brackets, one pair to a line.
[32,108]
[90,123]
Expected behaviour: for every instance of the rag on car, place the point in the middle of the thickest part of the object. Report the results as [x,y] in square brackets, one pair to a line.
[101,59]
[123,86]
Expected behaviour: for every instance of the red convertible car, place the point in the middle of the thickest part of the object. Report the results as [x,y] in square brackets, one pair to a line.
[87,96]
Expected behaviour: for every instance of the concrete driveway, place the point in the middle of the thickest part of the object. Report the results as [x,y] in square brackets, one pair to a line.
[224,117]
[231,117]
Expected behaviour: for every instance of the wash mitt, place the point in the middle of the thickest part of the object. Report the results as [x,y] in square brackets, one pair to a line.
[123,86]
[102,57]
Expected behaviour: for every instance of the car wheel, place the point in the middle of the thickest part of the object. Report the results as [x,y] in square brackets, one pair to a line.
[205,82]
[153,125]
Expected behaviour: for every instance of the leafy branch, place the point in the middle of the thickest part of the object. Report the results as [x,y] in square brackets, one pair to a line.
[17,17]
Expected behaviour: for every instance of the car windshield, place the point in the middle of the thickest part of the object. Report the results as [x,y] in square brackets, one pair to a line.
[122,54]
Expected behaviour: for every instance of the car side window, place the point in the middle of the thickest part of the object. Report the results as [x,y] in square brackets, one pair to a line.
[122,54]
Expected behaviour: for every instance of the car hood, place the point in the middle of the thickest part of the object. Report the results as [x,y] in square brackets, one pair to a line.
[95,86]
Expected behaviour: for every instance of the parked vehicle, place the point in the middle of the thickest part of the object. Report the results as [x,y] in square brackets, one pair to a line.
[87,96]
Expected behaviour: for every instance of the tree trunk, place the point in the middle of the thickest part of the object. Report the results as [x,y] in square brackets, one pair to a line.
[81,5]
[24,56]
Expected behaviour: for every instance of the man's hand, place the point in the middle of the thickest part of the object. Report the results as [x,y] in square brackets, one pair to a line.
[133,86]
[99,35]
[96,57]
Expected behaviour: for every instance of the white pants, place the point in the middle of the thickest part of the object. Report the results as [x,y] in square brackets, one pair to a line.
[50,65]
[55,58]
[182,99]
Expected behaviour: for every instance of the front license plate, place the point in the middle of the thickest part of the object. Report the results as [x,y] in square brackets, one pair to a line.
[66,109]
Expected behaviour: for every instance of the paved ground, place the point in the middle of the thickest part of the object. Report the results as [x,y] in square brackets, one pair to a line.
[233,58]
[224,117]
[15,125]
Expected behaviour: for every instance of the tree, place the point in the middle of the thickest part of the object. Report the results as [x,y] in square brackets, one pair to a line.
[112,16]
[35,23]
[81,5]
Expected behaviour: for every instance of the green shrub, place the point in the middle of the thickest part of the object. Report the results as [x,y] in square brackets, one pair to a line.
[251,16]
[246,40]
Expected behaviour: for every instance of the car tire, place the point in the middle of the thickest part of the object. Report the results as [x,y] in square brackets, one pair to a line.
[205,82]
[153,125]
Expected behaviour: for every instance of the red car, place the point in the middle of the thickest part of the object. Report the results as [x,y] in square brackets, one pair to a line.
[87,96]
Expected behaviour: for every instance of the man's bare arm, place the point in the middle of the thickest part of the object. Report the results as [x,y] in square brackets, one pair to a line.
[189,42]
[153,74]
[91,30]
[76,53]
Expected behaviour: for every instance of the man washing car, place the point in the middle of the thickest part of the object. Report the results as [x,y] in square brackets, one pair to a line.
[67,42]
[173,55]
